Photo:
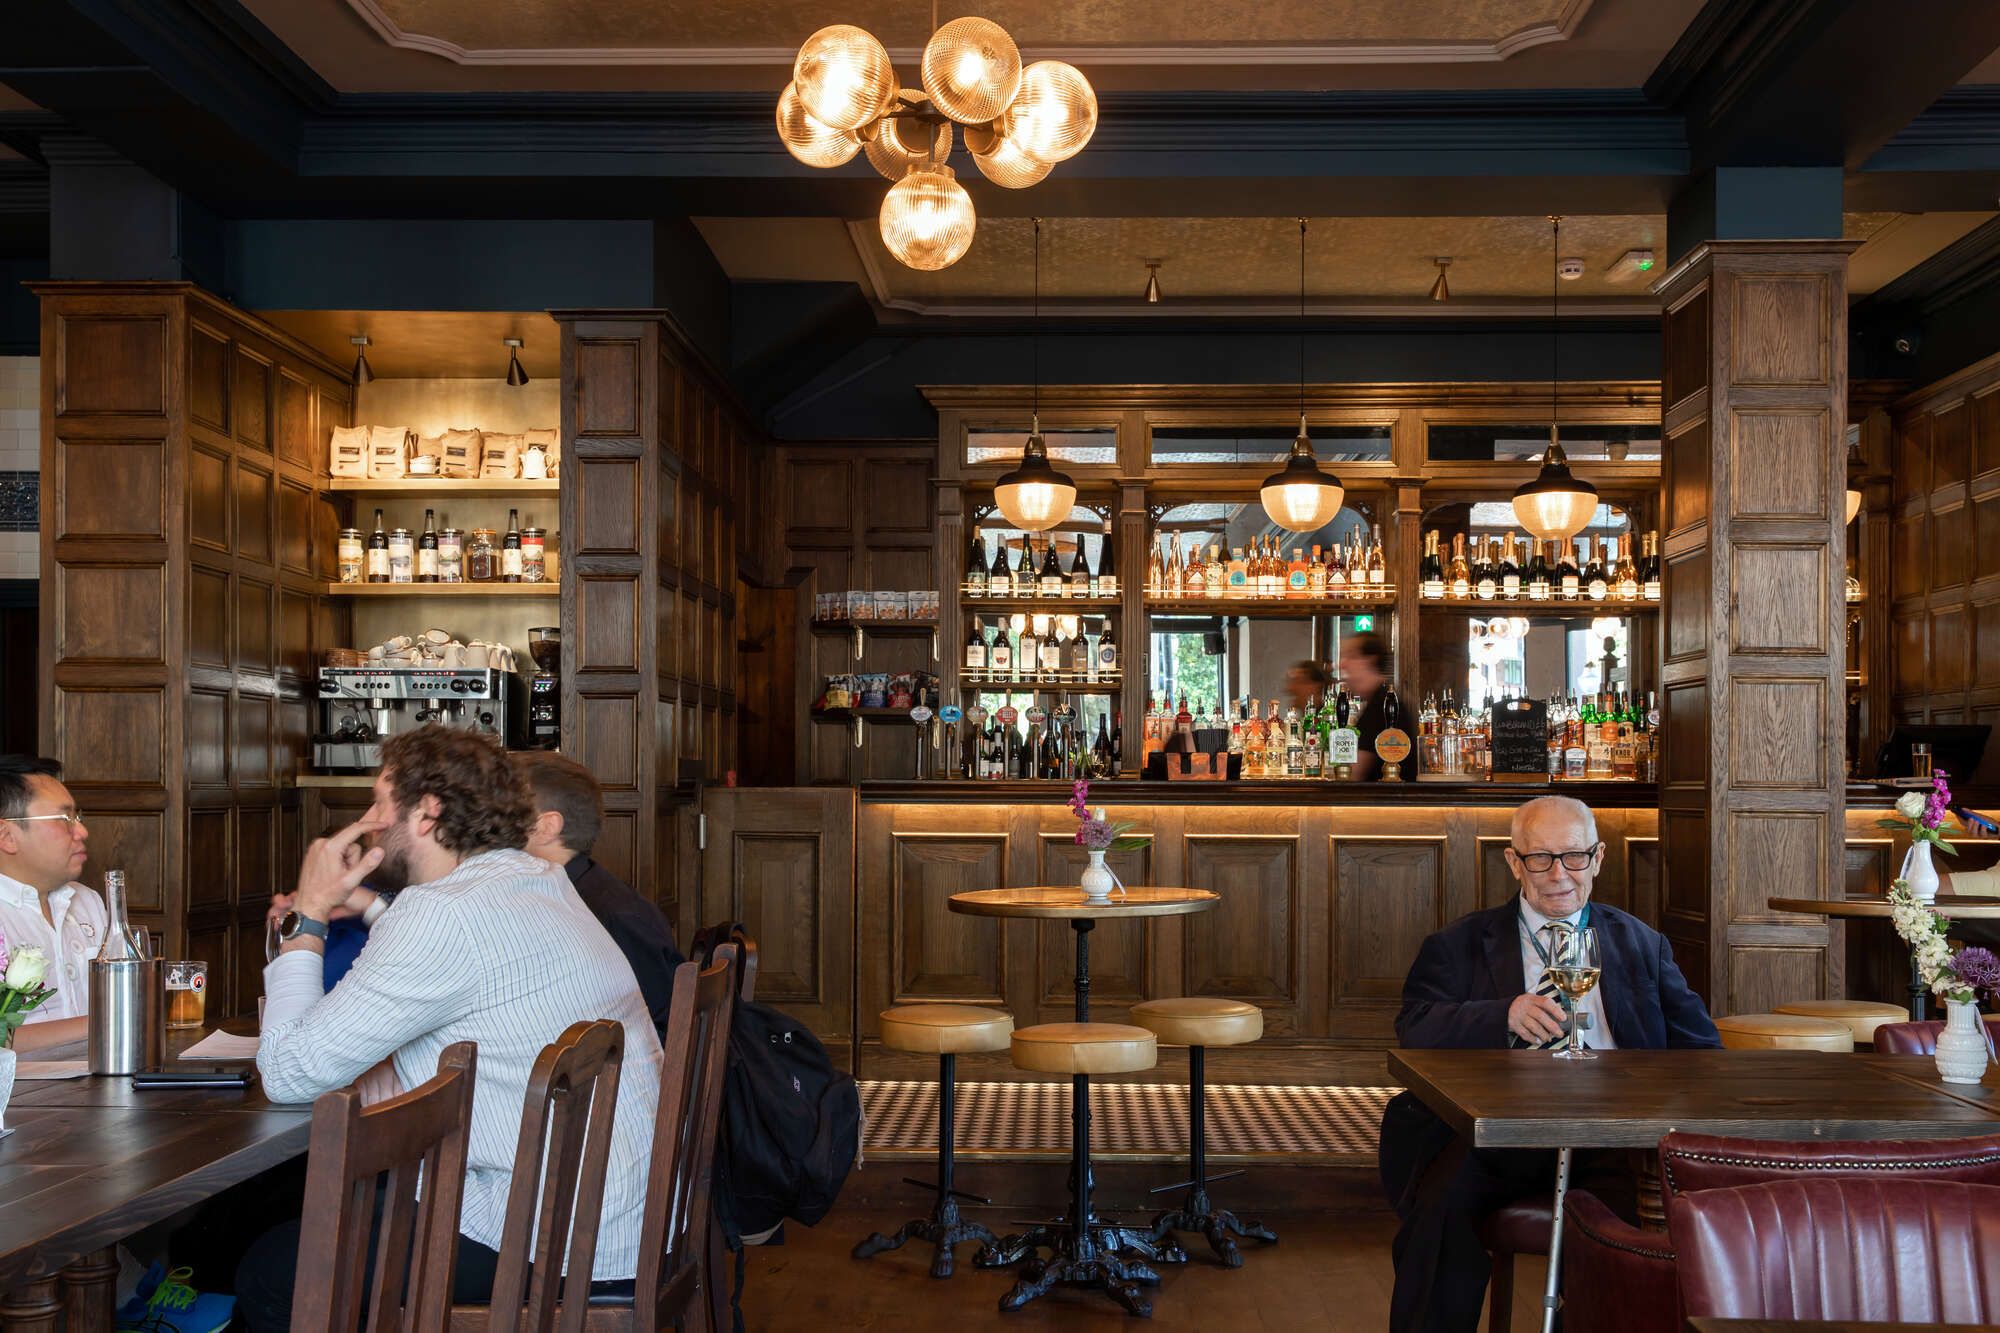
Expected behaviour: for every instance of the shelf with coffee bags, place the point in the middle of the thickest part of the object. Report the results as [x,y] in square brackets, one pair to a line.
[413,486]
[443,589]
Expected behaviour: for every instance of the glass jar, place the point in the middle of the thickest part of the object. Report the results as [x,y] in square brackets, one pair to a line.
[402,556]
[482,558]
[350,555]
[534,556]
[451,556]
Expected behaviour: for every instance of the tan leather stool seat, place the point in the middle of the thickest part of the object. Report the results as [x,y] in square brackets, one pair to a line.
[1861,1016]
[946,1029]
[1085,1048]
[1200,1020]
[1785,1032]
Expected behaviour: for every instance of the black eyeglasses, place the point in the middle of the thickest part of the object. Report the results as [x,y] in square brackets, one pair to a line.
[1543,861]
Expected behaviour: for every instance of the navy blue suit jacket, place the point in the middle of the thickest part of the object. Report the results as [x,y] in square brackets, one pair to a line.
[1467,974]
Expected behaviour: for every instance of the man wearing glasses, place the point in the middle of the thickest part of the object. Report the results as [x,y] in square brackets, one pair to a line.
[41,854]
[1479,982]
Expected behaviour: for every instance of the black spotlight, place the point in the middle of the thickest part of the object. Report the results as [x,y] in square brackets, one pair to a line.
[515,375]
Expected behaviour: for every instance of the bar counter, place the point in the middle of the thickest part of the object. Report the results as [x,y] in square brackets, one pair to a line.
[1271,791]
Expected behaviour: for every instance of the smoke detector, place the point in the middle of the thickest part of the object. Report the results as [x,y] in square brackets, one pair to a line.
[1570,268]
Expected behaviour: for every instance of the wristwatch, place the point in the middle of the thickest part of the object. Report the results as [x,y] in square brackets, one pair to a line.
[292,925]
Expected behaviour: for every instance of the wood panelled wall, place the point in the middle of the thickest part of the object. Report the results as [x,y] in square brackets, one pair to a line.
[1945,562]
[186,543]
[1752,791]
[658,462]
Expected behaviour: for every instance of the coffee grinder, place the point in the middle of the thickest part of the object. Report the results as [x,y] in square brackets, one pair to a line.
[545,688]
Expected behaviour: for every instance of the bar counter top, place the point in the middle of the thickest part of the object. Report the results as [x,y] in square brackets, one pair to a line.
[1265,792]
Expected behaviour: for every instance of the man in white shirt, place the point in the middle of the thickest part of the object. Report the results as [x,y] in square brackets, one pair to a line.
[487,944]
[42,851]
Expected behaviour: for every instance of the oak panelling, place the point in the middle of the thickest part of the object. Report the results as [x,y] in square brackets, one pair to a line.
[1984,557]
[256,848]
[1780,330]
[1950,540]
[776,882]
[1496,877]
[1247,947]
[208,498]
[1951,446]
[115,613]
[208,738]
[1912,473]
[607,612]
[1771,590]
[1643,877]
[250,400]
[1947,655]
[208,377]
[256,514]
[1775,855]
[112,488]
[1686,355]
[1911,555]
[939,954]
[208,634]
[1985,432]
[255,727]
[209,862]
[606,387]
[612,723]
[899,500]
[111,365]
[125,730]
[296,424]
[1685,473]
[1986,645]
[134,841]
[1686,602]
[1774,738]
[610,506]
[1776,464]
[256,639]
[1685,720]
[295,528]
[1388,895]
[1763,978]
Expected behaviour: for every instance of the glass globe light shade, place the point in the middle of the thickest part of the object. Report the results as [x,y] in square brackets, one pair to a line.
[1034,497]
[1003,161]
[807,139]
[844,76]
[1853,503]
[927,219]
[1299,497]
[1555,506]
[971,69]
[1054,114]
[903,143]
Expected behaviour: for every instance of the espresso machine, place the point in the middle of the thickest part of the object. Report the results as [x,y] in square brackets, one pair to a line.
[360,707]
[545,688]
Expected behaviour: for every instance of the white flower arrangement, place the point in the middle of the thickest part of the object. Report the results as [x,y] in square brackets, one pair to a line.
[1961,976]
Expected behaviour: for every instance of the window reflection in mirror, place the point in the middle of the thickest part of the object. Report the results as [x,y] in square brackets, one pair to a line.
[1228,445]
[1075,444]
[1220,661]
[1525,443]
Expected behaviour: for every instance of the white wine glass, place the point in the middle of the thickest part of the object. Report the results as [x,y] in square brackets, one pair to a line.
[1573,967]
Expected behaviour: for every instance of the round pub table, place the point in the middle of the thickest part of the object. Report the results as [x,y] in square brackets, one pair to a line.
[1950,906]
[1084,1249]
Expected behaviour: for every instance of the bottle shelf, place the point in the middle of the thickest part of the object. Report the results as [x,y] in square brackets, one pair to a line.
[1064,605]
[1553,607]
[886,629]
[1059,682]
[443,589]
[1271,606]
[405,488]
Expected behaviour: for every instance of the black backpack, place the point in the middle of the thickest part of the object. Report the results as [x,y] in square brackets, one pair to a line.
[791,1122]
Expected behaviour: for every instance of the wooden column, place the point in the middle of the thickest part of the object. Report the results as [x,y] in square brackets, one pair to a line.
[1752,783]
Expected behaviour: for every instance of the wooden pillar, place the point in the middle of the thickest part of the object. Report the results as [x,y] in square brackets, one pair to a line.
[1752,783]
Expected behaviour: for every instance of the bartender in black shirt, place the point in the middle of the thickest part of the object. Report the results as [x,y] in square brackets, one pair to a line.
[569,811]
[1364,670]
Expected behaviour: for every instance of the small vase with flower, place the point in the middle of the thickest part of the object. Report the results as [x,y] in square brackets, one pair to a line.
[21,992]
[1924,816]
[1959,979]
[1098,835]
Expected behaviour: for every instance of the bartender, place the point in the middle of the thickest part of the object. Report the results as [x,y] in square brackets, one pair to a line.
[1364,669]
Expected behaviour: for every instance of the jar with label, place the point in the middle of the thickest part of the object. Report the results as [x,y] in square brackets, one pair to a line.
[350,555]
[534,556]
[482,561]
[451,556]
[402,556]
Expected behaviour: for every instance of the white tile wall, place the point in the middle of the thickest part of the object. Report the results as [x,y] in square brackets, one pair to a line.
[20,451]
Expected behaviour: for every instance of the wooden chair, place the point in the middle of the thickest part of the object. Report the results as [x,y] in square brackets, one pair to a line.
[390,1143]
[560,1160]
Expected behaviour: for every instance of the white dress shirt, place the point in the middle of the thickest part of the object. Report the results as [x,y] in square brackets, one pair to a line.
[74,938]
[1597,1036]
[501,952]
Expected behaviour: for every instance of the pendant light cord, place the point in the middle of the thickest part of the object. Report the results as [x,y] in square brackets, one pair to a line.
[1555,319]
[1035,339]
[1302,325]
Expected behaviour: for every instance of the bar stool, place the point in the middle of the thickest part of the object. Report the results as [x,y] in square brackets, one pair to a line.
[1198,1022]
[943,1030]
[1080,1253]
[1783,1032]
[1861,1016]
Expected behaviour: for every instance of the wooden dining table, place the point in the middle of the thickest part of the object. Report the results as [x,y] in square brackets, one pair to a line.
[90,1161]
[1950,906]
[1630,1098]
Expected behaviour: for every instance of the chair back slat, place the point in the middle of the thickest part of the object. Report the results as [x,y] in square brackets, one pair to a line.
[673,1241]
[355,1152]
[556,1198]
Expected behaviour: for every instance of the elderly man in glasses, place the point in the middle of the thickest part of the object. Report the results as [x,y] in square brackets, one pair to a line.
[1479,983]
[42,838]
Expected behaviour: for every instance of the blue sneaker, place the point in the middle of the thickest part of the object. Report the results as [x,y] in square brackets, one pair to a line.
[165,1303]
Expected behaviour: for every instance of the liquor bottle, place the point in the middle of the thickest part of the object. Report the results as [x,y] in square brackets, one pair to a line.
[378,552]
[1430,573]
[1239,573]
[1000,580]
[1336,571]
[1078,658]
[1194,574]
[1156,573]
[1461,573]
[510,551]
[1596,582]
[976,566]
[1117,742]
[1052,574]
[1315,574]
[1649,569]
[1570,577]
[1312,745]
[1100,749]
[1024,569]
[1538,575]
[1275,738]
[1625,575]
[1378,566]
[1107,649]
[1298,575]
[1000,657]
[1485,574]
[1105,584]
[1510,570]
[1079,572]
[427,550]
[975,648]
[1214,574]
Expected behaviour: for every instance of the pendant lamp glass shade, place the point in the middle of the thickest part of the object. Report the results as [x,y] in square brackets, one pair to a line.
[844,77]
[971,69]
[1034,497]
[1300,497]
[1853,503]
[1555,506]
[1054,114]
[904,143]
[927,219]
[1002,161]
[810,140]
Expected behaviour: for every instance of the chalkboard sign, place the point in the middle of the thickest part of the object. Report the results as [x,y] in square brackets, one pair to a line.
[1520,746]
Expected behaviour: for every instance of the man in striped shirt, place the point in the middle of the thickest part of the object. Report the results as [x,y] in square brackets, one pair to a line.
[487,944]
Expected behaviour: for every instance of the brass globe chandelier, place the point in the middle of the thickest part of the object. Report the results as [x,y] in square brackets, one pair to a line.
[1017,123]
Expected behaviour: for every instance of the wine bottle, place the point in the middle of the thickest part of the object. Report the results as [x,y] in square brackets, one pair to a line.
[1000,581]
[1378,566]
[510,550]
[378,552]
[427,550]
[1024,570]
[1000,657]
[1485,574]
[1510,570]
[1625,576]
[1106,583]
[1430,573]
[1461,573]
[1079,572]
[1316,574]
[1538,575]
[975,648]
[976,566]
[1649,569]
[1107,649]
[1596,582]
[1570,579]
[1052,573]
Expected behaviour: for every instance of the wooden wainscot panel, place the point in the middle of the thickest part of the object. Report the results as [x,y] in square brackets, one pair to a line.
[214,945]
[1951,534]
[1777,464]
[1121,952]
[1779,335]
[1951,445]
[1686,476]
[208,498]
[1684,834]
[1496,878]
[1912,473]
[1865,867]
[1762,977]
[134,841]
[1686,368]
[256,624]
[1947,660]
[256,845]
[609,728]
[617,847]
[1388,896]
[1642,878]
[1687,594]
[1773,855]
[210,867]
[938,954]
[1911,557]
[1686,718]
[1247,947]
[899,498]
[1777,737]
[124,731]
[777,884]
[256,728]
[298,436]
[113,613]
[821,500]
[1771,590]
[251,400]
[1985,555]
[1986,645]
[208,617]
[207,738]
[208,377]
[607,613]
[111,364]
[608,386]
[256,513]
[609,505]
[295,528]
[111,488]
[1985,432]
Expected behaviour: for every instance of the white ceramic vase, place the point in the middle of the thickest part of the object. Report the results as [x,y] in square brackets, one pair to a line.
[7,1060]
[1098,881]
[1920,874]
[1961,1047]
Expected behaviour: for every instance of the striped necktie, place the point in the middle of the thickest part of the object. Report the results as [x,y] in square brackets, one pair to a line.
[1547,988]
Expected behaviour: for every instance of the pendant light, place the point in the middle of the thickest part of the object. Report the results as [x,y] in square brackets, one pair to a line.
[363,372]
[1555,506]
[515,375]
[1034,497]
[1441,290]
[1152,282]
[1300,497]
